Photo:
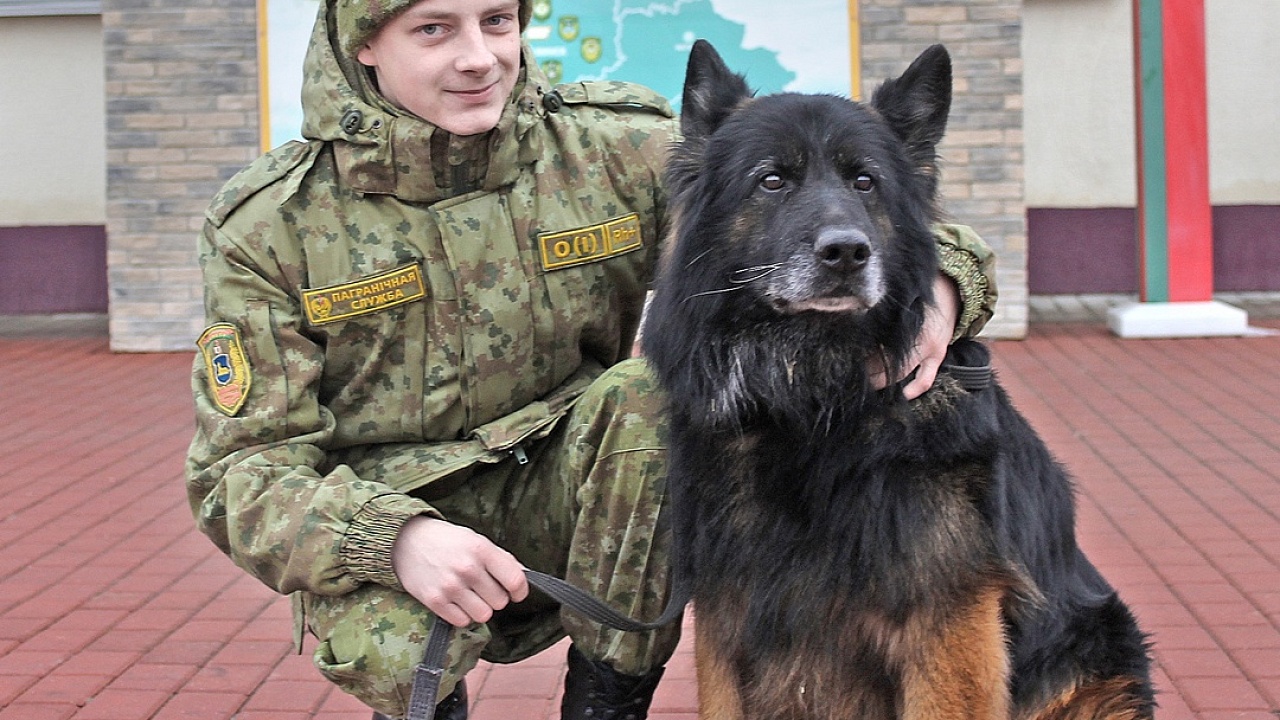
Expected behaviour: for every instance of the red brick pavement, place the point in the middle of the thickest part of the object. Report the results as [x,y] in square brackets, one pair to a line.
[113,608]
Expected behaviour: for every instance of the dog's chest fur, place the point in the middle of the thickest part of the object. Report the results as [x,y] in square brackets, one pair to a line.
[847,505]
[832,574]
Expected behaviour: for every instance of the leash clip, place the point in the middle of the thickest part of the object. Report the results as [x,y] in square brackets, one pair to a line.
[520,455]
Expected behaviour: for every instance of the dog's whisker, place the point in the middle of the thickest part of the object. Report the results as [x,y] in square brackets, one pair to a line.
[762,271]
[710,292]
[755,268]
[701,255]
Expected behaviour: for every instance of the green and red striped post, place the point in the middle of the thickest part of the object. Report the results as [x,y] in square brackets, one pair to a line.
[1175,221]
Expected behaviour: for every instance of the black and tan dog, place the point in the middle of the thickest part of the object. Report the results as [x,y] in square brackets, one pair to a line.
[853,555]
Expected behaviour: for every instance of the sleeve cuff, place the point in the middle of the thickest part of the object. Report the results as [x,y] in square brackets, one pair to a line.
[961,266]
[366,546]
[966,259]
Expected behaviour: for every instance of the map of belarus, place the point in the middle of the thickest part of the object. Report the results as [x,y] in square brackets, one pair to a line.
[797,45]
[643,41]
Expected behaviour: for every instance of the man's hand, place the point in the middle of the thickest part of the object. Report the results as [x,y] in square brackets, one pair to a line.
[456,572]
[931,345]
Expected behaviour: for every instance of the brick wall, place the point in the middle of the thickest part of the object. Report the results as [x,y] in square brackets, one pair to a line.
[182,117]
[982,153]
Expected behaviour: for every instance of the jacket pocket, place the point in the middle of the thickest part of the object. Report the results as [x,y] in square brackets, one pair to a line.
[536,419]
[375,374]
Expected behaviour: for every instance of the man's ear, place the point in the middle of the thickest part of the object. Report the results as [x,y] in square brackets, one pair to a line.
[916,104]
[366,56]
[711,91]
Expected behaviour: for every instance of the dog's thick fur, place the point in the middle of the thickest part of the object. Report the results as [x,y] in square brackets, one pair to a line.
[853,555]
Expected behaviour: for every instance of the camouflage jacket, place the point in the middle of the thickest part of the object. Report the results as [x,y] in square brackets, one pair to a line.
[388,304]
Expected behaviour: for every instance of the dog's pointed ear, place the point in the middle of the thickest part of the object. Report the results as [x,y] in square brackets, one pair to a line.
[917,103]
[711,91]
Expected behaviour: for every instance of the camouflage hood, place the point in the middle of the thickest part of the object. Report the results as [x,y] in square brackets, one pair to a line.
[382,149]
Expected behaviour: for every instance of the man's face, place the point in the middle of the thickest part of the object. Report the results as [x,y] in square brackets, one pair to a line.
[452,63]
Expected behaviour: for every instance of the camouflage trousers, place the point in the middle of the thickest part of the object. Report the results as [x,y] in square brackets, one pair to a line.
[588,506]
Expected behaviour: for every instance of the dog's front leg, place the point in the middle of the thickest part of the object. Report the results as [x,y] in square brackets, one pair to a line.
[719,696]
[960,668]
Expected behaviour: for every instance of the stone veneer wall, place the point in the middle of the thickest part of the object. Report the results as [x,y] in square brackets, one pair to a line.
[982,157]
[182,118]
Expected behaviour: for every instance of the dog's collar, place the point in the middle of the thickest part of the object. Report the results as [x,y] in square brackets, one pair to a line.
[971,378]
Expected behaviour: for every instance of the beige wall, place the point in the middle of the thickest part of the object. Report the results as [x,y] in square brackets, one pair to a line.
[1244,101]
[52,122]
[1079,110]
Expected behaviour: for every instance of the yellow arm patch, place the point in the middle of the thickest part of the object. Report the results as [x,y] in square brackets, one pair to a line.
[364,296]
[226,367]
[590,244]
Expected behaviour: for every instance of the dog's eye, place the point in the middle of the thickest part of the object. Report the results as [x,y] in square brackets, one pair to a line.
[864,183]
[772,182]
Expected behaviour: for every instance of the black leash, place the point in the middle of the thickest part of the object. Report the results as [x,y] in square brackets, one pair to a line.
[426,676]
[591,606]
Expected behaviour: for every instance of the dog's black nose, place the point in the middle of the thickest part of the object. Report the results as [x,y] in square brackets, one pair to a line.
[842,249]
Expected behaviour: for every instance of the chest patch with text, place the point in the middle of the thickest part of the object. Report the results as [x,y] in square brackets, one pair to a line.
[590,244]
[364,296]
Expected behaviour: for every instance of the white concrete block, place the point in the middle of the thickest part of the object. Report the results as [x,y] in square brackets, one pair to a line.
[1178,319]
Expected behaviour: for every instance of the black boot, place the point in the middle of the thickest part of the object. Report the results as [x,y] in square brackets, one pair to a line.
[595,691]
[453,707]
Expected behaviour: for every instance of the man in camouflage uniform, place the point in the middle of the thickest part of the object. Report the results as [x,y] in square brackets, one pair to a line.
[414,380]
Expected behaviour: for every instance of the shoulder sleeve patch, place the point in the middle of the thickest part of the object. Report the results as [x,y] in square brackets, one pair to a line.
[615,93]
[264,171]
[226,367]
